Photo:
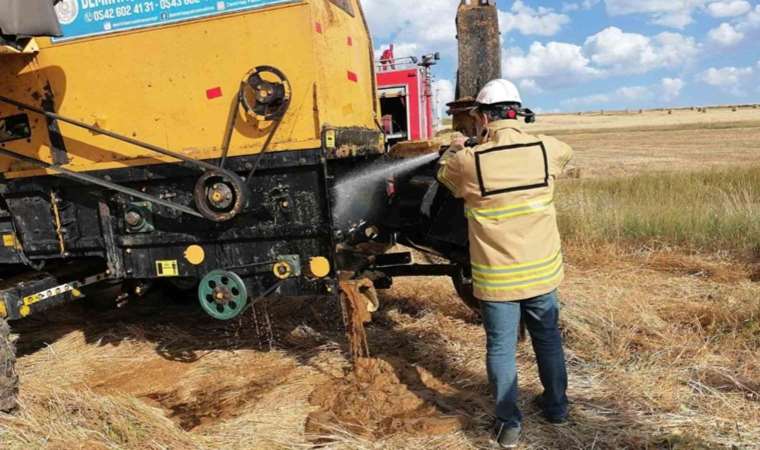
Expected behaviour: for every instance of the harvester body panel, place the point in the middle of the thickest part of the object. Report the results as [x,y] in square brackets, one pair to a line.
[173,85]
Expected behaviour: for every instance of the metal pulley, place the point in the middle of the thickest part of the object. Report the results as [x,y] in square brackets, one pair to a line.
[220,195]
[265,93]
[223,294]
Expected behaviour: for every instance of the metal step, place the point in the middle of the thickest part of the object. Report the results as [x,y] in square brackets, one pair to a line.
[34,292]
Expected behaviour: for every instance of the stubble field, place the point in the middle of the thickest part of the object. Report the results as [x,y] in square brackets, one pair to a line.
[661,317]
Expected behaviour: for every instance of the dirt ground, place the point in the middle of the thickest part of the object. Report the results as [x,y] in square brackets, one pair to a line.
[663,349]
[159,374]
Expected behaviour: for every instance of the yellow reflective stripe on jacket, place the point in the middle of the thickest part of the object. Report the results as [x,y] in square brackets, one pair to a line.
[521,266]
[509,211]
[518,285]
[521,274]
[518,276]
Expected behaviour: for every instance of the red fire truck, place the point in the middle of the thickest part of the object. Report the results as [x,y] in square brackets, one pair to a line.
[406,97]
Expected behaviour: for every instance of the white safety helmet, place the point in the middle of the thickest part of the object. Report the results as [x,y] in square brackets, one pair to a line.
[499,91]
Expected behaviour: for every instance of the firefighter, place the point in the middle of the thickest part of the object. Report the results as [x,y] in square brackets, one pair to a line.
[507,182]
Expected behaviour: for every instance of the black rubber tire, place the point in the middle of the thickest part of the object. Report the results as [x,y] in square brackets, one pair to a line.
[8,375]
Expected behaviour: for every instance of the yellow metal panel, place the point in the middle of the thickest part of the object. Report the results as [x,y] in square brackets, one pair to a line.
[152,84]
[344,101]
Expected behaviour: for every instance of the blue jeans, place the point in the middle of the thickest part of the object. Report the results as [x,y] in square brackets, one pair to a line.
[501,320]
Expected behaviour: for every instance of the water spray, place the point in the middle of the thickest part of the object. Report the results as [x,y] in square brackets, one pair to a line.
[366,181]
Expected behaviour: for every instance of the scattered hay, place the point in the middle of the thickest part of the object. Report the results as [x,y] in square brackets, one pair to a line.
[720,271]
[658,358]
[82,419]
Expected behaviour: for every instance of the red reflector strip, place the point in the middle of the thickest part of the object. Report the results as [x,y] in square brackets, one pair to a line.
[353,77]
[318,27]
[349,41]
[213,93]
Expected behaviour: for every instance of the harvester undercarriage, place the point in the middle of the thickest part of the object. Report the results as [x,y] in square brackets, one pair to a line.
[256,220]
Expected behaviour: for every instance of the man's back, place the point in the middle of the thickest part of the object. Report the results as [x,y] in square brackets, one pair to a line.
[508,188]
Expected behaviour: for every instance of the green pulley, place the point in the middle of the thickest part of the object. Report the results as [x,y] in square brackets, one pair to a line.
[223,294]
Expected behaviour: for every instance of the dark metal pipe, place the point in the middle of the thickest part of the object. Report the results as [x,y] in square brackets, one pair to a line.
[99,182]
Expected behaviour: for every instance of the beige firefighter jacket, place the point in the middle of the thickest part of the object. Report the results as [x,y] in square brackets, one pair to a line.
[507,185]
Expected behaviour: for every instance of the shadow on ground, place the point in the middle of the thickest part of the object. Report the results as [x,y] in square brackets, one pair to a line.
[179,331]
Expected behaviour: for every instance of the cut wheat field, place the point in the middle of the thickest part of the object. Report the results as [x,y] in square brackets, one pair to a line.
[622,144]
[661,318]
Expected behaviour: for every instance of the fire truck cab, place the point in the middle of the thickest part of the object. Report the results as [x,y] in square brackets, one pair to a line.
[406,98]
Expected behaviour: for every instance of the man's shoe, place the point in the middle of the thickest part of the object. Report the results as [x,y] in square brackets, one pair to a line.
[506,437]
[538,402]
[556,420]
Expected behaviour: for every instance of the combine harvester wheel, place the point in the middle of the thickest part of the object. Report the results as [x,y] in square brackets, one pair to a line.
[8,376]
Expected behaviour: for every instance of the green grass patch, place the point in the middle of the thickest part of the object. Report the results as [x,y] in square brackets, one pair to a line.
[716,211]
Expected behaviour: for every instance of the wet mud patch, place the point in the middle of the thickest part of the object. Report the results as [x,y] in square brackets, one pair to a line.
[199,403]
[384,397]
[202,408]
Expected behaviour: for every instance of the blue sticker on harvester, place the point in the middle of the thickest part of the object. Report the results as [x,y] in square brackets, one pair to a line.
[83,18]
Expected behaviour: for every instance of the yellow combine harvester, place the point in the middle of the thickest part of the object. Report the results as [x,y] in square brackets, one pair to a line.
[189,140]
[153,134]
[200,142]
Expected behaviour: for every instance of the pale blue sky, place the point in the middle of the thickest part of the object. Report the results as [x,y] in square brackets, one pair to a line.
[598,54]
